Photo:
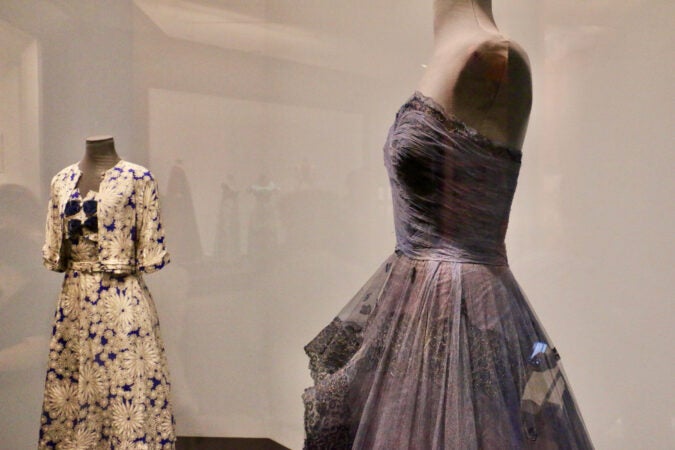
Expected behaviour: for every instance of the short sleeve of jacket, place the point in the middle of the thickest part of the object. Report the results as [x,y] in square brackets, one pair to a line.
[151,252]
[52,256]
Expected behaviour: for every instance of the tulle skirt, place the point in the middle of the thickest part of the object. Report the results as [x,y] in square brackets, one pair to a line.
[439,355]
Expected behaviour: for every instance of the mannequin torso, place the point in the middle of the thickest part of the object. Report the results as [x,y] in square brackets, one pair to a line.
[478,75]
[99,156]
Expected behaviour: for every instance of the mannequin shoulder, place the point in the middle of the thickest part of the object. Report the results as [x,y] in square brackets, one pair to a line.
[63,175]
[493,57]
[138,171]
[518,60]
[519,77]
[488,59]
[504,64]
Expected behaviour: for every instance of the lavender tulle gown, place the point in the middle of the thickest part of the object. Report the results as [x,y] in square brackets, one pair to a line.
[440,349]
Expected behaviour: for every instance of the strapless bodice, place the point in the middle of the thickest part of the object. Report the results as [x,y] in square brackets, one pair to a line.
[452,187]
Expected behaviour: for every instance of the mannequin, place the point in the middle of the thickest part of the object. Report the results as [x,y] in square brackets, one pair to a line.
[440,348]
[99,156]
[105,235]
[477,74]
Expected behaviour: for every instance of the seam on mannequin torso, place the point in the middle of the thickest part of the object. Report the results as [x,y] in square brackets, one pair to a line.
[487,113]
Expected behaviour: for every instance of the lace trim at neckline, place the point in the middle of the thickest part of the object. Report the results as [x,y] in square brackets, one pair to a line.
[493,147]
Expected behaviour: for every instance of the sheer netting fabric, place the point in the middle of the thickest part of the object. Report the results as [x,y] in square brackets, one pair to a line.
[440,349]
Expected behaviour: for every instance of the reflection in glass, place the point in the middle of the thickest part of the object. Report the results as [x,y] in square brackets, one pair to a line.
[24,287]
[305,92]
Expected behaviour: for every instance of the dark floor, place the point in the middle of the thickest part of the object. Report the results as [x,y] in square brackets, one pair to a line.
[202,443]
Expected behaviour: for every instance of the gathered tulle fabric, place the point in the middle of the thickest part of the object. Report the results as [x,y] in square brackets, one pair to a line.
[440,348]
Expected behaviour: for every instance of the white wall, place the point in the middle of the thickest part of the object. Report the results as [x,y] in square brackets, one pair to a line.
[300,94]
[19,109]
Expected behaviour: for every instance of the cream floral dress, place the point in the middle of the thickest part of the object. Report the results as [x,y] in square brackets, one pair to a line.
[107,383]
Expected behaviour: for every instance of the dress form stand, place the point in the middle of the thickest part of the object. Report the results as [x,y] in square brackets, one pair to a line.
[477,74]
[99,156]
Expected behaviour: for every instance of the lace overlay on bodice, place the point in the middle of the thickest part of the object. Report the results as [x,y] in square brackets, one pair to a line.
[430,106]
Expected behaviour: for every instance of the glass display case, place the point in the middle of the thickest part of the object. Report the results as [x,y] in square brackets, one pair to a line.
[263,122]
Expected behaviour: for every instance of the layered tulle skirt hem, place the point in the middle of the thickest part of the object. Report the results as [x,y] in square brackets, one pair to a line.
[438,355]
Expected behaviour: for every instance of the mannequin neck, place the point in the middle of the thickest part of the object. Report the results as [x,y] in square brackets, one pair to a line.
[100,153]
[452,16]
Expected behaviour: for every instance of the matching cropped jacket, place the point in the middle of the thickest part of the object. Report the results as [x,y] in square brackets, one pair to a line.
[129,234]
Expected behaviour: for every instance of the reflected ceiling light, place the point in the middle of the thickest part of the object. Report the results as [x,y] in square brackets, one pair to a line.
[212,24]
[218,26]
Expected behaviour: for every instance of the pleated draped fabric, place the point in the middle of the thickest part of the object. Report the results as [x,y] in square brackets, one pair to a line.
[440,349]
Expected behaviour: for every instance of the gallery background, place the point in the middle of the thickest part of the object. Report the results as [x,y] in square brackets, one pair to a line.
[264,120]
